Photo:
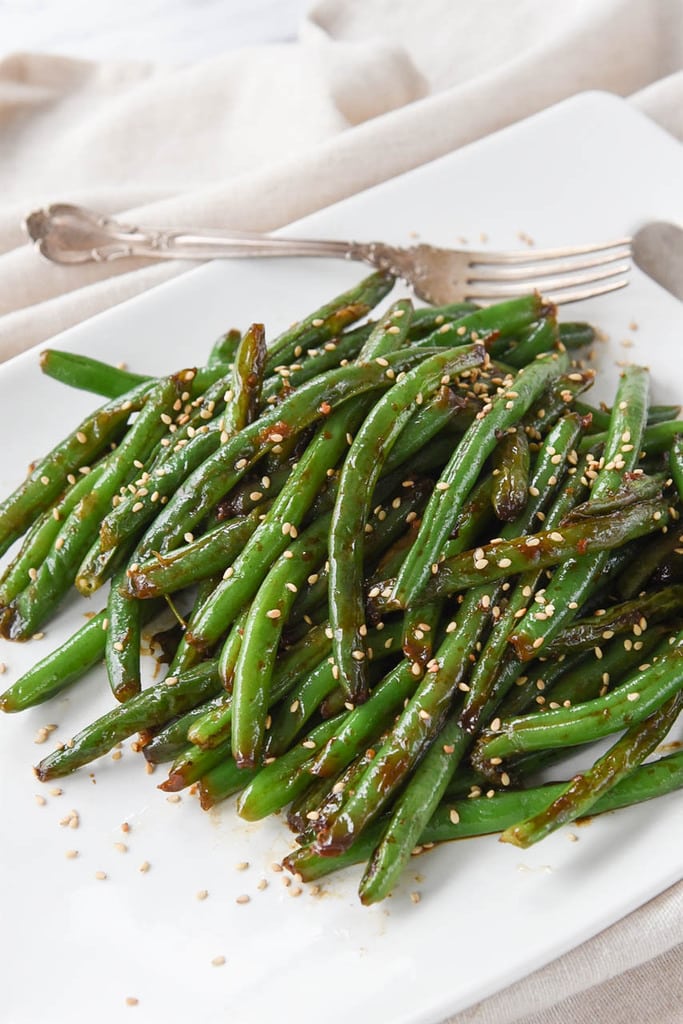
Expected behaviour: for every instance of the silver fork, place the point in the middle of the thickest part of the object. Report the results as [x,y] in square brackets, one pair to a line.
[71,234]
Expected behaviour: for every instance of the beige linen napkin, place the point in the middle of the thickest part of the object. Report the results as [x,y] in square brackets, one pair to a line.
[259,137]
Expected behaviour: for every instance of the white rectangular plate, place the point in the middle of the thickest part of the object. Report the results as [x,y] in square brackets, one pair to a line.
[74,947]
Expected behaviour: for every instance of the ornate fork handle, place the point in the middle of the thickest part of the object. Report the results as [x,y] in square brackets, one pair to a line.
[72,234]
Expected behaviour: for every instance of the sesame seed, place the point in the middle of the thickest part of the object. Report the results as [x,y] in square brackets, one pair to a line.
[244,898]
[144,867]
[415,897]
[504,563]
[242,865]
[633,696]
[100,875]
[495,725]
[132,1001]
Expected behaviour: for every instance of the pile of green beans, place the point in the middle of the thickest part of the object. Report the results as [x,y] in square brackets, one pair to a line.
[409,565]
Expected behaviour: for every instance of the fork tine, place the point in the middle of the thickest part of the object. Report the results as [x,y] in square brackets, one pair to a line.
[580,295]
[505,289]
[564,298]
[539,255]
[519,272]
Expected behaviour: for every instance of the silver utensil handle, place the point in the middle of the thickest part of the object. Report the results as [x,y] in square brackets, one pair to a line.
[205,245]
[72,234]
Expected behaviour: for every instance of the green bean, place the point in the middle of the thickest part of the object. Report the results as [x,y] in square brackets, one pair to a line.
[89,374]
[156,705]
[427,319]
[658,561]
[172,739]
[434,415]
[192,763]
[412,811]
[536,339]
[631,702]
[42,535]
[462,470]
[629,616]
[30,608]
[489,679]
[660,413]
[295,663]
[250,493]
[229,651]
[247,379]
[306,697]
[310,403]
[48,480]
[283,779]
[511,461]
[273,535]
[55,672]
[223,781]
[467,818]
[576,335]
[547,548]
[574,579]
[314,361]
[364,723]
[676,463]
[586,788]
[386,524]
[414,729]
[601,417]
[122,651]
[390,333]
[503,317]
[359,475]
[424,790]
[224,347]
[581,677]
[327,322]
[555,401]
[198,559]
[262,632]
[656,439]
[325,795]
[636,487]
